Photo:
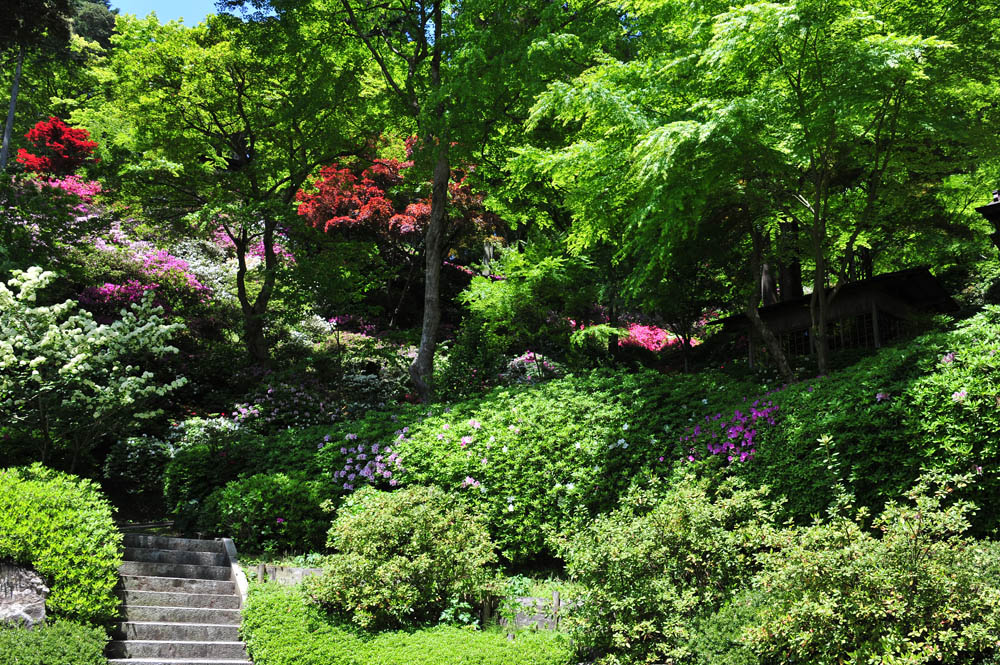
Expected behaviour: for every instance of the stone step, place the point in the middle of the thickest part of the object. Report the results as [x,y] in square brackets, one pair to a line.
[178,599]
[168,543]
[176,556]
[165,649]
[177,632]
[222,573]
[176,661]
[177,584]
[182,614]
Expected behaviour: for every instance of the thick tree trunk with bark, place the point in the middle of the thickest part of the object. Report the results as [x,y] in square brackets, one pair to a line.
[8,127]
[254,313]
[422,369]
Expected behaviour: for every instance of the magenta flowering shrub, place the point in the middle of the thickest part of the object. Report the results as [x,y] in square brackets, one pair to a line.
[733,437]
[139,266]
[85,190]
[649,337]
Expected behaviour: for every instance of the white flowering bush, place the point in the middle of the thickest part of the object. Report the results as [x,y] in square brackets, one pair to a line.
[65,380]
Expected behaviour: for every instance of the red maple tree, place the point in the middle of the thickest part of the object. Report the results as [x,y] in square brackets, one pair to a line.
[373,202]
[60,149]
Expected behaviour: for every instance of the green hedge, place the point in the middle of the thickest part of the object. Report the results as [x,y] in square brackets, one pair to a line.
[62,526]
[282,627]
[269,512]
[58,643]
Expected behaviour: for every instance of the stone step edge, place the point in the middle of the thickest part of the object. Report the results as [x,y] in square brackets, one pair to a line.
[182,593]
[187,579]
[215,544]
[172,623]
[133,550]
[179,661]
[226,642]
[186,607]
[194,570]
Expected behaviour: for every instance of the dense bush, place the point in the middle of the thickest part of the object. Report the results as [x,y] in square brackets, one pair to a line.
[918,590]
[546,457]
[268,512]
[402,556]
[281,627]
[668,556]
[58,643]
[210,452]
[62,526]
[930,402]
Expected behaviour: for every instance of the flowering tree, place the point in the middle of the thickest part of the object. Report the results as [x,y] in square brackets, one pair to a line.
[60,149]
[374,202]
[227,120]
[66,381]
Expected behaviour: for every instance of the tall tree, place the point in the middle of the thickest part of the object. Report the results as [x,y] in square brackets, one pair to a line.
[24,25]
[226,121]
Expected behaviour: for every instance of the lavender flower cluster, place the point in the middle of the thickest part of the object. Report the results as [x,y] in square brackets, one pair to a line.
[366,465]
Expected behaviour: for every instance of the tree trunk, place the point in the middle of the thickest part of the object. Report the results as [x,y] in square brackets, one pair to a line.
[818,303]
[770,340]
[790,277]
[8,128]
[254,320]
[422,369]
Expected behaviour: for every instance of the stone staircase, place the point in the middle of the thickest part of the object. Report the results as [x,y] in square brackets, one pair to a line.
[181,604]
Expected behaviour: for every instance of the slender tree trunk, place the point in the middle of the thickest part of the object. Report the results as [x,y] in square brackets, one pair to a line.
[8,128]
[790,278]
[422,369]
[770,340]
[818,303]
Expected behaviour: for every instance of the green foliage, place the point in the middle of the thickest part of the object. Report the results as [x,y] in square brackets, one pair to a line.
[136,464]
[58,643]
[919,590]
[531,306]
[403,557]
[922,420]
[268,512]
[671,553]
[210,452]
[65,381]
[555,453]
[281,627]
[62,526]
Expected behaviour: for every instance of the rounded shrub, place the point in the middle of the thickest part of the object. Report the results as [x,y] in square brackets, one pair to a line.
[60,642]
[402,556]
[62,526]
[268,512]
[667,557]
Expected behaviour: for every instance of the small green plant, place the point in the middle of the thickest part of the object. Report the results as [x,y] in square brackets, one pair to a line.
[916,590]
[403,557]
[60,642]
[670,555]
[268,513]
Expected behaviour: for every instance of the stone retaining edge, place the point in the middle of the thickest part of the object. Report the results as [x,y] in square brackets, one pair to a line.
[242,587]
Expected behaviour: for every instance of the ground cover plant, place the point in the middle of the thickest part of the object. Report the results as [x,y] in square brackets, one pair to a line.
[282,627]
